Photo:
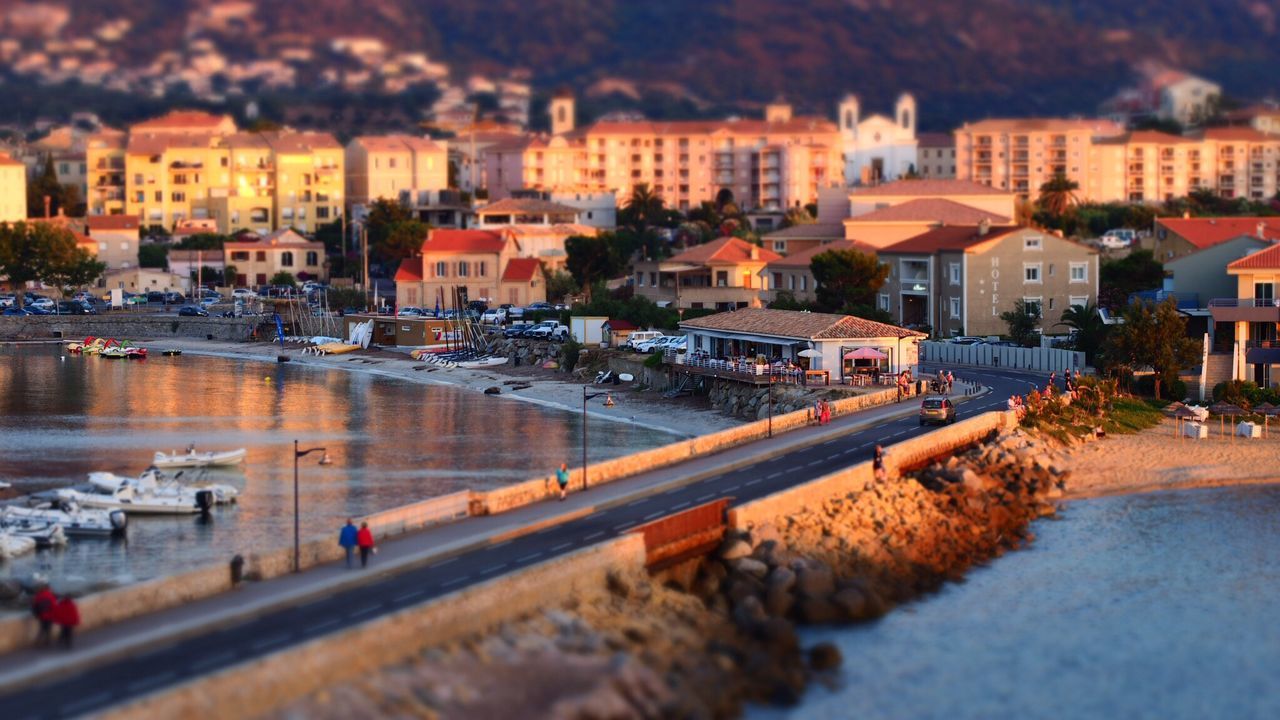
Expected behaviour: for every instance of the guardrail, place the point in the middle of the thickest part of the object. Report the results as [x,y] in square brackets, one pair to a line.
[684,535]
[1245,302]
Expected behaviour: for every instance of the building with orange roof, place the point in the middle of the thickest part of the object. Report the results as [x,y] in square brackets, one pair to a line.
[723,274]
[116,239]
[258,260]
[489,264]
[1177,237]
[958,280]
[1020,155]
[390,166]
[794,274]
[13,189]
[1248,324]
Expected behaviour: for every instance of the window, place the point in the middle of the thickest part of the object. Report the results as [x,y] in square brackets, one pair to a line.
[1032,242]
[313,258]
[480,269]
[780,246]
[776,281]
[1079,272]
[286,259]
[804,282]
[884,302]
[791,282]
[442,269]
[639,279]
[955,308]
[159,196]
[1034,305]
[1078,300]
[1031,273]
[463,269]
[955,273]
[261,256]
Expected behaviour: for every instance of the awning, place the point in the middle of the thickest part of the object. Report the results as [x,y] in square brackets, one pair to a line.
[1262,356]
[865,353]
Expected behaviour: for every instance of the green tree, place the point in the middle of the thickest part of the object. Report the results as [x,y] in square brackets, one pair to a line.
[383,215]
[153,255]
[62,198]
[798,216]
[403,239]
[42,251]
[643,209]
[202,241]
[592,259]
[75,269]
[1153,336]
[846,279]
[559,284]
[1058,195]
[284,278]
[1090,331]
[1139,270]
[1022,321]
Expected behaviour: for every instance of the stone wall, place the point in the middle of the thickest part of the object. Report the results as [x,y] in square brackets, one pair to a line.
[652,378]
[259,686]
[125,326]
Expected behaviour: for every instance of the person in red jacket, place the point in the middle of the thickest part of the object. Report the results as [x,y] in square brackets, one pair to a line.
[42,606]
[67,615]
[364,539]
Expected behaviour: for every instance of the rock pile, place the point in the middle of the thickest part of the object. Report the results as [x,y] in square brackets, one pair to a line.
[527,352]
[749,402]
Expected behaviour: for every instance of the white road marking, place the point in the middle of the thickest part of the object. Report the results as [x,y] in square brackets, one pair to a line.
[455,581]
[326,624]
[527,558]
[731,488]
[85,703]
[708,496]
[815,462]
[364,611]
[214,660]
[493,569]
[623,526]
[442,563]
[633,503]
[775,475]
[408,596]
[594,535]
[562,546]
[680,506]
[651,516]
[275,640]
[752,482]
[833,456]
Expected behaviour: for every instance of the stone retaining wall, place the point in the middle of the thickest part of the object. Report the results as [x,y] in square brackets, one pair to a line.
[260,686]
[125,326]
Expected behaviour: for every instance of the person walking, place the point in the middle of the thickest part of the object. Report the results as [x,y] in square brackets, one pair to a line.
[43,605]
[67,615]
[364,538]
[562,479]
[951,380]
[347,539]
[877,464]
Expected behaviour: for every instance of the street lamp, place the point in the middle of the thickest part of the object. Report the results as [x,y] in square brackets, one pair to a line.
[608,402]
[770,402]
[324,460]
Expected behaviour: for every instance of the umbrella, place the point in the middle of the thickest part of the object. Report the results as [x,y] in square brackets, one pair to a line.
[1172,411]
[810,353]
[1225,410]
[1182,413]
[865,353]
[1267,410]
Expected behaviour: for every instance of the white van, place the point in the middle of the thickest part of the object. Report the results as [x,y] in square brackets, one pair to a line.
[640,336]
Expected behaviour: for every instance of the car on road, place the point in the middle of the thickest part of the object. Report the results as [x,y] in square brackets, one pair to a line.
[15,312]
[208,300]
[937,409]
[192,311]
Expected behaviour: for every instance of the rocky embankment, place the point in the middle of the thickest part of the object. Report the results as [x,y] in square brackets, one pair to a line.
[700,641]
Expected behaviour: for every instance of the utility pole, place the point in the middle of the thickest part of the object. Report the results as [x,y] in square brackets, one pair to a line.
[199,275]
[364,253]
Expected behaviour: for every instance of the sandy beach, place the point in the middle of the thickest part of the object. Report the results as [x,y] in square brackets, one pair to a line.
[684,417]
[1155,459]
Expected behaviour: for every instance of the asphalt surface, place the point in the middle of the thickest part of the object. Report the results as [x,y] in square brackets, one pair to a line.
[99,687]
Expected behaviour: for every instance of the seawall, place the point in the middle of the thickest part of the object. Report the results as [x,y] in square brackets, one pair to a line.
[126,325]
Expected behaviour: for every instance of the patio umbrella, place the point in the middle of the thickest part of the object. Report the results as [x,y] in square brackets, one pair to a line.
[865,353]
[1225,410]
[1182,413]
[1172,411]
[810,353]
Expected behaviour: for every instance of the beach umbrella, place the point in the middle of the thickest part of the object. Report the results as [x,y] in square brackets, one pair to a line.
[1172,411]
[1225,410]
[1268,410]
[810,353]
[865,353]
[1181,414]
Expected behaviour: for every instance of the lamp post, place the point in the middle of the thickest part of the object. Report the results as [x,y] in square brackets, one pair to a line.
[324,460]
[771,402]
[608,402]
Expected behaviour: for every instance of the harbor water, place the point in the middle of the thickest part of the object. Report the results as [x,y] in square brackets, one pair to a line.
[1160,605]
[392,442]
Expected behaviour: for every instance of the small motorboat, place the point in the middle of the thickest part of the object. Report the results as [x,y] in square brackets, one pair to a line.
[135,501]
[12,545]
[193,459]
[45,533]
[171,352]
[152,483]
[74,520]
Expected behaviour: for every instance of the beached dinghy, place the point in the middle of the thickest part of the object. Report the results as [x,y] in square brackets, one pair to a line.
[14,545]
[75,520]
[193,459]
[45,533]
[151,483]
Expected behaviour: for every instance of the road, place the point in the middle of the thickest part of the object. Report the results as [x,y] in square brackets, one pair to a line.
[99,687]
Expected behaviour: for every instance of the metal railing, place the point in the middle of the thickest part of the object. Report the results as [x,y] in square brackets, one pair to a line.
[1245,302]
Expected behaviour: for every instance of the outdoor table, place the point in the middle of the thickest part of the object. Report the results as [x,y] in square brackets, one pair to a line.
[826,376]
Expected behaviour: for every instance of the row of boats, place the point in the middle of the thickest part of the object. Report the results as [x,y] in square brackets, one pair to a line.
[107,348]
[102,507]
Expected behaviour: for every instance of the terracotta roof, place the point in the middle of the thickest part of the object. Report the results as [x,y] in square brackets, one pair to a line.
[396,143]
[8,161]
[960,237]
[521,269]
[1100,127]
[292,142]
[798,325]
[112,222]
[185,120]
[724,251]
[1237,134]
[565,229]
[935,140]
[804,258]
[810,231]
[280,238]
[706,127]
[206,257]
[148,144]
[526,205]
[1149,137]
[1207,232]
[1268,259]
[947,212]
[463,241]
[928,188]
[410,270]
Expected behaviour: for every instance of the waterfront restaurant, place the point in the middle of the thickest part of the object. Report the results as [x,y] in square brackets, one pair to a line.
[831,348]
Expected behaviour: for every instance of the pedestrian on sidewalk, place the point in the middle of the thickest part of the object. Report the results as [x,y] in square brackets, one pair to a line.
[951,380]
[364,539]
[67,615]
[877,464]
[826,412]
[562,479]
[347,539]
[43,605]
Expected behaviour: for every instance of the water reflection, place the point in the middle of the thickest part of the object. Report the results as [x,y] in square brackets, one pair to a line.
[392,442]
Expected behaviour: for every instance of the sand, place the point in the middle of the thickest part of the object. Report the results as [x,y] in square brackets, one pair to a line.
[1155,459]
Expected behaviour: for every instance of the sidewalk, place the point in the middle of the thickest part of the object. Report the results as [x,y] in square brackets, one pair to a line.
[402,552]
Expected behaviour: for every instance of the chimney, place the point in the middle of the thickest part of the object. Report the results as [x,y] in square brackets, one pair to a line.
[1186,214]
[47,203]
[984,226]
[755,252]
[1262,230]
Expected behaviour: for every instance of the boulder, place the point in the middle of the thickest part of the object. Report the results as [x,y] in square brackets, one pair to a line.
[818,610]
[782,578]
[852,602]
[778,601]
[751,566]
[815,581]
[732,549]
[493,390]
[824,656]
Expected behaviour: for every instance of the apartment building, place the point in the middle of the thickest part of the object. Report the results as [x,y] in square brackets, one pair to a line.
[958,280]
[794,273]
[486,263]
[774,163]
[385,166]
[1252,316]
[116,237]
[258,260]
[1020,155]
[892,212]
[936,156]
[13,189]
[723,274]
[197,166]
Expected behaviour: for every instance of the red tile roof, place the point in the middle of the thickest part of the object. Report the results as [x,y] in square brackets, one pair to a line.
[725,251]
[1099,127]
[521,269]
[463,241]
[410,270]
[1268,259]
[928,188]
[621,325]
[1237,134]
[112,222]
[809,231]
[7,161]
[799,325]
[946,238]
[804,258]
[947,212]
[1207,232]
[182,119]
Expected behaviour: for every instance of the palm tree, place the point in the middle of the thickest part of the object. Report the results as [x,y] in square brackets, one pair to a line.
[1089,329]
[643,207]
[1058,195]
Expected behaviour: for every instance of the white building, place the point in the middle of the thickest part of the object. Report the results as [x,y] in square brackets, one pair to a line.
[877,148]
[595,209]
[1189,100]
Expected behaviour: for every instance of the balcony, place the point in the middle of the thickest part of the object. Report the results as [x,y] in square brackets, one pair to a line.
[1184,300]
[1245,309]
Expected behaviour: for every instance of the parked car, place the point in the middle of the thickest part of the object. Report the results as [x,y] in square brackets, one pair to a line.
[966,340]
[38,311]
[515,312]
[15,312]
[411,311]
[174,298]
[7,301]
[658,343]
[1117,239]
[243,294]
[517,330]
[548,330]
[41,302]
[192,311]
[136,300]
[938,410]
[70,307]
[493,316]
[640,336]
[208,300]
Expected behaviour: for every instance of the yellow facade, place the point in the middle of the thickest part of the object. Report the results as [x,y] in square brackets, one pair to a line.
[13,189]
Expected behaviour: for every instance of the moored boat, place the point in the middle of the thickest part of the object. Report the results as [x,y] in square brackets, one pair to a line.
[44,532]
[193,459]
[12,545]
[151,483]
[74,520]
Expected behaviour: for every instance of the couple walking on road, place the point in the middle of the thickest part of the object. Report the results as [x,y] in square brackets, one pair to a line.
[51,610]
[350,538]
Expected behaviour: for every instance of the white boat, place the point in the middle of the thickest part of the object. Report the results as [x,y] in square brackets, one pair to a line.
[155,484]
[482,362]
[143,496]
[73,519]
[193,459]
[44,532]
[14,545]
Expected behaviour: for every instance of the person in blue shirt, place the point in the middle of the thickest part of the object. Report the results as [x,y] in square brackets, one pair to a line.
[347,539]
[562,477]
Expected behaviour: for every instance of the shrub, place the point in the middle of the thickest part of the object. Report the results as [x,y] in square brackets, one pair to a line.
[569,354]
[654,360]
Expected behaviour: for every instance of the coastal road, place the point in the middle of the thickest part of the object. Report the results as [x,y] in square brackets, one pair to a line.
[102,686]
